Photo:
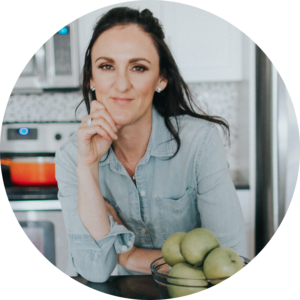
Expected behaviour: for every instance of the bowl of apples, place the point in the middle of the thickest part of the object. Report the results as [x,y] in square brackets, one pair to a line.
[193,262]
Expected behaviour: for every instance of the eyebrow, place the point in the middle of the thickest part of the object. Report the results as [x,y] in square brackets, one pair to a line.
[131,60]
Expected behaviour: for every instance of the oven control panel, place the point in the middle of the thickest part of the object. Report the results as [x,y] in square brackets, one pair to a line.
[35,137]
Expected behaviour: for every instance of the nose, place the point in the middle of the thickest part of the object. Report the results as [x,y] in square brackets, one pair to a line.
[122,82]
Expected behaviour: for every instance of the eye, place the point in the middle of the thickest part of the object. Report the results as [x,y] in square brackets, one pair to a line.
[106,67]
[139,68]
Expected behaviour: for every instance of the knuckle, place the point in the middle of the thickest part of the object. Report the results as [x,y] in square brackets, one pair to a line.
[84,120]
[97,104]
[100,111]
[100,121]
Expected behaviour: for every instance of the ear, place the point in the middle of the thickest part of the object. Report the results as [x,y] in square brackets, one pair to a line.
[162,83]
[91,83]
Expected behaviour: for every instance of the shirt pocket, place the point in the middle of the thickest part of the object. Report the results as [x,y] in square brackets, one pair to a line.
[178,215]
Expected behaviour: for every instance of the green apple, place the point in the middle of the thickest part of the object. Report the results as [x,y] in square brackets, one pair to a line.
[190,282]
[187,275]
[222,262]
[197,244]
[190,293]
[171,249]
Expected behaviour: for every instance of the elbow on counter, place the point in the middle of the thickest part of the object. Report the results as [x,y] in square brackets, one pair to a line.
[93,265]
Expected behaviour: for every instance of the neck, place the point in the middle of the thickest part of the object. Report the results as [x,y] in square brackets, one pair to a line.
[133,140]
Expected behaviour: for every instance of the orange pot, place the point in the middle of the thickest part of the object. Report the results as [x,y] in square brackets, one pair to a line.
[31,170]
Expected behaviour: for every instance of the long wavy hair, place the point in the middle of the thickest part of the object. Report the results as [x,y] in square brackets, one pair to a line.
[176,99]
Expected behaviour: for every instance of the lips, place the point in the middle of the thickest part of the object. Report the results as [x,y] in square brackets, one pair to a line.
[121,101]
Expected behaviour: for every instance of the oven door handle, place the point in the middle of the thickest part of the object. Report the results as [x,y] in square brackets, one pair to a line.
[35,205]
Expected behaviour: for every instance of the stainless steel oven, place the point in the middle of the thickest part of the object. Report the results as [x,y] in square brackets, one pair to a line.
[36,207]
[42,221]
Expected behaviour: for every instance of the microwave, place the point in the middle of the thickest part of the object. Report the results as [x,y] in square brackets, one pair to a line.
[55,65]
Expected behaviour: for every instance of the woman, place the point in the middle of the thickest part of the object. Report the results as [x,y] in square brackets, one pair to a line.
[143,165]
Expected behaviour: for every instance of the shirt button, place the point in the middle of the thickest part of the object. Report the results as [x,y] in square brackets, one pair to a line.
[129,244]
[124,248]
[143,230]
[143,193]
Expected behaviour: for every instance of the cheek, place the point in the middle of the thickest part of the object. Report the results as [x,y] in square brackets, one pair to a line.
[102,86]
[100,78]
[146,87]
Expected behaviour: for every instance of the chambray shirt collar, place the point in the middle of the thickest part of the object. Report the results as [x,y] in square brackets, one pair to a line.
[161,144]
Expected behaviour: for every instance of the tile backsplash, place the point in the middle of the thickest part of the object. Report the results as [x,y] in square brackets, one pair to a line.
[47,107]
[220,99]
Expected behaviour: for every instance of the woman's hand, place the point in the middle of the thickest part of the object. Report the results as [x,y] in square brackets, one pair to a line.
[122,257]
[94,141]
[136,259]
[111,210]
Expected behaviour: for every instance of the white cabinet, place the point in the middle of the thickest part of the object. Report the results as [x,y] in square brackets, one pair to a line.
[205,47]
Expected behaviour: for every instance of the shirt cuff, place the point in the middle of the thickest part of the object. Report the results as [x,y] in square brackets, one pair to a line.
[119,236]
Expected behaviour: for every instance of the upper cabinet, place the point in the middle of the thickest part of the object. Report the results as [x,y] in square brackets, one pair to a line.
[205,47]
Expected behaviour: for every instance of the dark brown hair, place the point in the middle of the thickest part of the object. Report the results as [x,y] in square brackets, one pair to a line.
[176,99]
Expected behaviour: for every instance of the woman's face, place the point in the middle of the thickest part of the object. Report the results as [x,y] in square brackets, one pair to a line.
[125,73]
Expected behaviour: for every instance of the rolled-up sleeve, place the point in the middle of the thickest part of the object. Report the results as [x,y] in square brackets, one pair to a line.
[217,200]
[93,260]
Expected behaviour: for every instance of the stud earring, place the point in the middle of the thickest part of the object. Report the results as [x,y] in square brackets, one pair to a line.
[92,88]
[158,90]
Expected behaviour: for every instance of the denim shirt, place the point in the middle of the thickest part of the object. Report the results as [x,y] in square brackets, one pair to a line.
[193,189]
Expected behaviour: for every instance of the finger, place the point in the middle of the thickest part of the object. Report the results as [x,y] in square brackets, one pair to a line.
[104,114]
[107,204]
[116,218]
[111,210]
[102,122]
[89,131]
[100,112]
[96,120]
[93,108]
[96,105]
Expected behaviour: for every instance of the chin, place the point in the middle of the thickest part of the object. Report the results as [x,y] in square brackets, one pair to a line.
[121,117]
[121,120]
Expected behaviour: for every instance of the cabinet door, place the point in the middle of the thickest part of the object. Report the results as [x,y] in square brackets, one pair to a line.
[32,76]
[205,47]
